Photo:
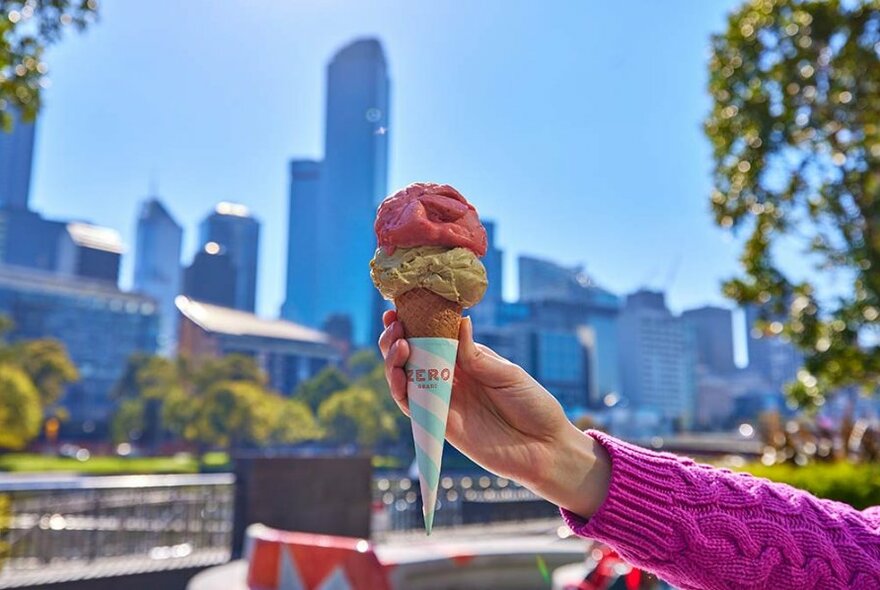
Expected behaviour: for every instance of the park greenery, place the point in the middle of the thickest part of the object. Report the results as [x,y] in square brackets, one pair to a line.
[226,403]
[27,28]
[33,375]
[795,132]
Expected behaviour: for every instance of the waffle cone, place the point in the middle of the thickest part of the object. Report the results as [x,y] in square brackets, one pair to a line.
[424,314]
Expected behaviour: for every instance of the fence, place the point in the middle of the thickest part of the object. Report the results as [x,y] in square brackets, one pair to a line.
[82,527]
[461,500]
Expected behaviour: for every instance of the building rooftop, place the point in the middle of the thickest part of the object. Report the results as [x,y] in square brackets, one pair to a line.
[96,237]
[27,279]
[234,209]
[224,320]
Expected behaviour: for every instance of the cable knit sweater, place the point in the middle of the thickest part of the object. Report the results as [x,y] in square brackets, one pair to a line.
[703,528]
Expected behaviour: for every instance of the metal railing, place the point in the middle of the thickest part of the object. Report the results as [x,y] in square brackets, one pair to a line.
[461,500]
[80,527]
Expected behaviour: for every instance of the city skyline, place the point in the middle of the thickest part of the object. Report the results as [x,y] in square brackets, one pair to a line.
[196,170]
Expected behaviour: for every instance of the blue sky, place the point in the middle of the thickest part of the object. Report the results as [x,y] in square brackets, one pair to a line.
[575,125]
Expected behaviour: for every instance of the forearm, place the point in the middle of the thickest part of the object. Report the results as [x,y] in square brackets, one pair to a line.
[705,528]
[577,479]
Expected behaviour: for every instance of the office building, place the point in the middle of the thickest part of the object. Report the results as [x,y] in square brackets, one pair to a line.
[656,354]
[303,258]
[772,357]
[289,353]
[212,276]
[90,252]
[99,325]
[238,233]
[566,298]
[353,182]
[16,159]
[157,271]
[28,240]
[486,311]
[712,330]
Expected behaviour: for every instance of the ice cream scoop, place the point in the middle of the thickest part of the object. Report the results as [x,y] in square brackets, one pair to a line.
[428,214]
[456,274]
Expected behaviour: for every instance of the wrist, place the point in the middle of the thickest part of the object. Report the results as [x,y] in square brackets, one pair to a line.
[579,475]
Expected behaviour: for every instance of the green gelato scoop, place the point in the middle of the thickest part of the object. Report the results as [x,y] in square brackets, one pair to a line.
[455,274]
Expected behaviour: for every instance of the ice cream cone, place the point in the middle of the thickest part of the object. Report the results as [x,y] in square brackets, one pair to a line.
[430,324]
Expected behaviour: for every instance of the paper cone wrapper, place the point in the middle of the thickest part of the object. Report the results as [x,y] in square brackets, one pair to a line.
[429,373]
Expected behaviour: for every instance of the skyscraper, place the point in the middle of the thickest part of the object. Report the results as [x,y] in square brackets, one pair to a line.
[90,252]
[656,358]
[712,329]
[772,357]
[232,227]
[157,271]
[211,278]
[302,257]
[354,180]
[485,313]
[16,157]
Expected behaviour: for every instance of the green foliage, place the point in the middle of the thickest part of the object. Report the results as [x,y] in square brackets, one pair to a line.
[128,422]
[49,367]
[795,131]
[233,367]
[234,413]
[26,29]
[5,521]
[320,387]
[20,411]
[356,416]
[96,465]
[857,484]
[294,422]
[362,363]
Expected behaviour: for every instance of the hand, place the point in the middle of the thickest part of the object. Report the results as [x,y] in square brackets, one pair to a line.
[503,419]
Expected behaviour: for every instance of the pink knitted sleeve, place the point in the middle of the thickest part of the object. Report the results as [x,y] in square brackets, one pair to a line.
[699,527]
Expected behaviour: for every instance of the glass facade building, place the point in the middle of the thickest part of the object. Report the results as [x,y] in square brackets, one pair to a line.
[99,325]
[232,227]
[16,159]
[302,256]
[157,271]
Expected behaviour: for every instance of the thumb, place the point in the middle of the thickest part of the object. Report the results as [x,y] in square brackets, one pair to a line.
[482,363]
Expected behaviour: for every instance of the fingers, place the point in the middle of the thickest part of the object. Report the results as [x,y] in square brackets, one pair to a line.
[483,363]
[393,332]
[388,317]
[395,360]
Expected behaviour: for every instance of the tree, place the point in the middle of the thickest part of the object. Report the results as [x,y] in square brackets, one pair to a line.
[27,27]
[293,422]
[320,387]
[234,367]
[355,416]
[362,362]
[20,411]
[232,414]
[49,367]
[795,132]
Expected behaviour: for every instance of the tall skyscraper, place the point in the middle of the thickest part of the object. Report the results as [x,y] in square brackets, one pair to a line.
[157,271]
[302,255]
[773,358]
[485,313]
[212,277]
[657,362]
[90,251]
[16,157]
[238,235]
[712,329]
[354,180]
